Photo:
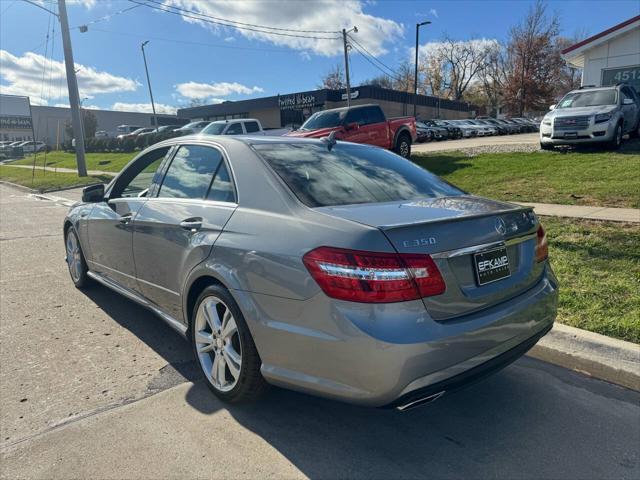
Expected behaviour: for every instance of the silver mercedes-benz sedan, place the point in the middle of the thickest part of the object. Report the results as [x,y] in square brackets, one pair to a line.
[337,269]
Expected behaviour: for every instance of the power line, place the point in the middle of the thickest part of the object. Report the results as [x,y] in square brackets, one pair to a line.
[188,42]
[203,18]
[107,17]
[368,59]
[371,55]
[240,23]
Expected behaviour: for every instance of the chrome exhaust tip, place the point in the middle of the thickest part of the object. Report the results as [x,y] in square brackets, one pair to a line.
[420,401]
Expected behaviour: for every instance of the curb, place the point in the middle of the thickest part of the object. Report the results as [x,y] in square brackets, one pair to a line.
[605,358]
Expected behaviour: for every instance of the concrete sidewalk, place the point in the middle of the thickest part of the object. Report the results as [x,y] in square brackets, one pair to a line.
[64,170]
[631,215]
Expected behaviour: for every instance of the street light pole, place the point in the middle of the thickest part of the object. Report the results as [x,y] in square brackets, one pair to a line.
[153,105]
[415,77]
[346,61]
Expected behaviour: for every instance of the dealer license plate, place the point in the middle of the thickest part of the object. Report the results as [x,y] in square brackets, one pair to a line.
[491,265]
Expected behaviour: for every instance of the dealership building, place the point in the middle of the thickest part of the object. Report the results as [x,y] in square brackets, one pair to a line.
[293,109]
[609,57]
[21,121]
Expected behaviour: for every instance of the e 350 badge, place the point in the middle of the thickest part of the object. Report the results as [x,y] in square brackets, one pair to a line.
[419,242]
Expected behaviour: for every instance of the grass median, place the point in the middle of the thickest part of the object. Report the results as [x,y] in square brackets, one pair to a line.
[106,162]
[598,266]
[604,179]
[46,181]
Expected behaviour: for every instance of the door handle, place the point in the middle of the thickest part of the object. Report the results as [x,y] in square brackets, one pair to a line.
[192,224]
[126,218]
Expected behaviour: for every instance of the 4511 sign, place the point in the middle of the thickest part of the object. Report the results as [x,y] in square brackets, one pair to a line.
[630,75]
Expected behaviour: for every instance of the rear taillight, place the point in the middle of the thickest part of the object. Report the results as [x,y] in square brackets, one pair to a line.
[542,247]
[373,277]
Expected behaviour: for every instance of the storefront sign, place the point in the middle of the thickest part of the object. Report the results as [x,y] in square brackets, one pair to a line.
[297,101]
[630,75]
[15,123]
[354,95]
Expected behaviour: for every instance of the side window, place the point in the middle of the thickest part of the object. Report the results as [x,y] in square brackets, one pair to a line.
[234,129]
[375,115]
[222,188]
[357,115]
[251,127]
[627,94]
[142,175]
[190,172]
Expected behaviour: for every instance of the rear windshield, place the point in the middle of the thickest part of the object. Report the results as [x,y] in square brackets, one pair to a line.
[327,119]
[350,174]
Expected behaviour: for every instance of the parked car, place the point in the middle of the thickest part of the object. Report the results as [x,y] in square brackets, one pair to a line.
[135,133]
[159,130]
[30,146]
[193,127]
[454,131]
[502,128]
[483,128]
[126,129]
[101,134]
[510,127]
[528,126]
[439,133]
[338,269]
[424,133]
[362,124]
[520,128]
[466,129]
[244,126]
[592,115]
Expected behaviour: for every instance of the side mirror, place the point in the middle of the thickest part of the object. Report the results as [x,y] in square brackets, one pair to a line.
[93,193]
[552,107]
[627,101]
[351,126]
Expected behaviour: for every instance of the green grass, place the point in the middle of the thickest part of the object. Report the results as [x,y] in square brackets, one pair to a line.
[578,178]
[106,162]
[47,181]
[598,266]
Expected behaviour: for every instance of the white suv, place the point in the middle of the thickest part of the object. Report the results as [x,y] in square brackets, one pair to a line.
[592,115]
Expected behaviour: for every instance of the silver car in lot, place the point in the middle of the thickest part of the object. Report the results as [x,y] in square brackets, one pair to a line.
[337,269]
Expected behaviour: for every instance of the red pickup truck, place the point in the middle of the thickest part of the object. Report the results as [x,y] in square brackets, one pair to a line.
[362,124]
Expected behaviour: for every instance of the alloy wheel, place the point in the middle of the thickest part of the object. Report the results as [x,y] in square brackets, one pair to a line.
[74,256]
[218,343]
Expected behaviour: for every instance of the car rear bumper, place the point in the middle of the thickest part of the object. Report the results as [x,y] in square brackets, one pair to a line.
[387,354]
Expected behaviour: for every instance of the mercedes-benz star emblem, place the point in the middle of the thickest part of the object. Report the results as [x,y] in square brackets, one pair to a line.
[501,227]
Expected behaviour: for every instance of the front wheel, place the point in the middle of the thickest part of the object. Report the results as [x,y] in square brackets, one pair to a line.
[546,146]
[616,141]
[224,349]
[403,146]
[75,259]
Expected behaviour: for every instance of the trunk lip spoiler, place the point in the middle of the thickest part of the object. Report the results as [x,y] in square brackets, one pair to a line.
[484,246]
[515,209]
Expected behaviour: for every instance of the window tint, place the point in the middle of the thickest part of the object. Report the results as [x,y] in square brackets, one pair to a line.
[350,174]
[190,172]
[251,127]
[375,115]
[144,172]
[357,115]
[234,129]
[222,188]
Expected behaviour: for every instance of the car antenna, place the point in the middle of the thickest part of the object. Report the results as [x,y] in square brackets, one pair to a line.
[330,140]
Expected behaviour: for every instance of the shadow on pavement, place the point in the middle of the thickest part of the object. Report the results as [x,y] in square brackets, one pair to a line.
[532,420]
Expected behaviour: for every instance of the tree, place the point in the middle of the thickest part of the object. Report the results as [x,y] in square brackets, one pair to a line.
[334,79]
[569,77]
[382,81]
[535,61]
[403,80]
[493,76]
[89,125]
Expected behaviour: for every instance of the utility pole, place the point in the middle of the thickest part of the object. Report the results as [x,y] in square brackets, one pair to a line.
[72,84]
[346,61]
[153,105]
[415,77]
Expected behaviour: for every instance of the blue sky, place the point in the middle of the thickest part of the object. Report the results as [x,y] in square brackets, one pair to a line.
[193,60]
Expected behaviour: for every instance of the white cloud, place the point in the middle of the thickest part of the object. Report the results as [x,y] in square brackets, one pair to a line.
[433,12]
[23,76]
[328,15]
[230,39]
[195,90]
[143,107]
[84,3]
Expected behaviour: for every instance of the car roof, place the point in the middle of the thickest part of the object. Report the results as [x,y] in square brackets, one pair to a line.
[591,89]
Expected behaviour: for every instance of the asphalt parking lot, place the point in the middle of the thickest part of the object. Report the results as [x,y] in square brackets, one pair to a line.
[91,385]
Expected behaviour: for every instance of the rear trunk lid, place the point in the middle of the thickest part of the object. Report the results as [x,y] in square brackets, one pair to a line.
[454,230]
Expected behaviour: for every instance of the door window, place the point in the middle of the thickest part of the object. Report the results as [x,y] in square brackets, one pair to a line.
[357,115]
[190,172]
[139,177]
[234,129]
[222,188]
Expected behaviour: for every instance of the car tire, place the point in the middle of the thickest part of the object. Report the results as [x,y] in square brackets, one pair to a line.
[227,346]
[616,141]
[403,145]
[636,132]
[76,262]
[546,146]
